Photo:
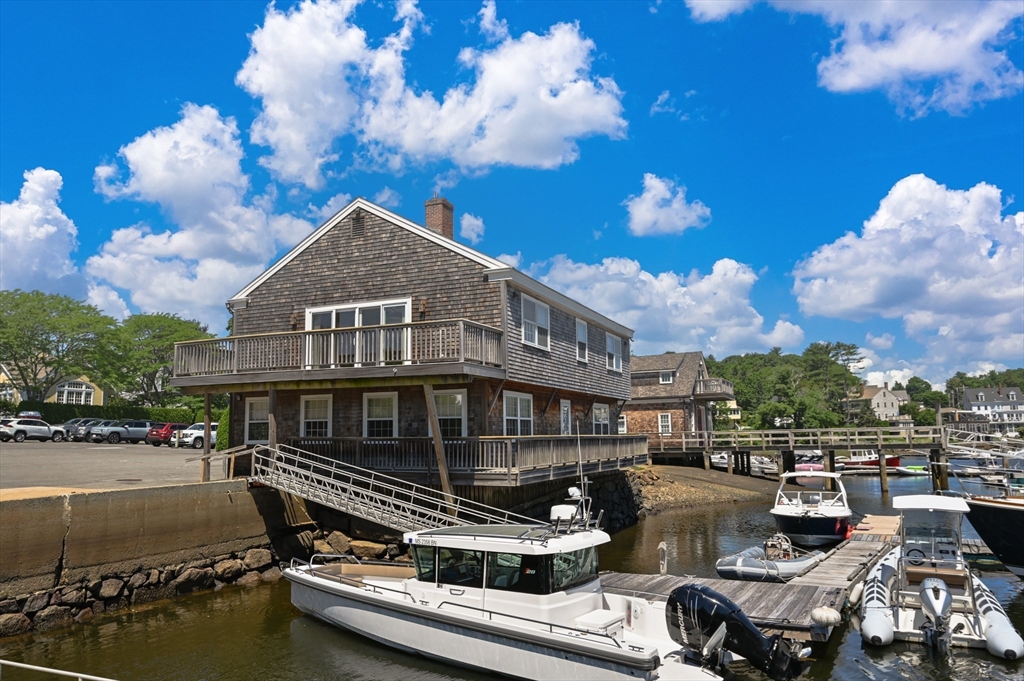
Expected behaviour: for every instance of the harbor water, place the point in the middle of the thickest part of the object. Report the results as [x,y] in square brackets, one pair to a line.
[243,634]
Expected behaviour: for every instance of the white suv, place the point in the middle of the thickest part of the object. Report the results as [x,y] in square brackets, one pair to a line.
[193,436]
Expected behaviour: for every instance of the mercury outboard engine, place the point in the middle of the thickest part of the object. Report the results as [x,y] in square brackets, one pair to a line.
[936,604]
[697,616]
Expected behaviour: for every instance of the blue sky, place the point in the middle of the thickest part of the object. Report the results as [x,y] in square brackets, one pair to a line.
[720,176]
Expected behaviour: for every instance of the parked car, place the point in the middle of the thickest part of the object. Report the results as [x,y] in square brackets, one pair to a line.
[20,430]
[163,433]
[81,430]
[131,431]
[193,436]
[71,423]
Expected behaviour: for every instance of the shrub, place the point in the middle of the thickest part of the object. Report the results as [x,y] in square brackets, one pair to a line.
[59,413]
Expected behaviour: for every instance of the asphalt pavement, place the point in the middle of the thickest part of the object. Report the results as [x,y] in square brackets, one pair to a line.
[93,466]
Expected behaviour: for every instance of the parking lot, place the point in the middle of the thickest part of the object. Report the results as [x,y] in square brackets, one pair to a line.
[54,467]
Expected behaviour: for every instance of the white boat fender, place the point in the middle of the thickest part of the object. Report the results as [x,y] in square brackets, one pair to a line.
[855,593]
[1001,639]
[825,616]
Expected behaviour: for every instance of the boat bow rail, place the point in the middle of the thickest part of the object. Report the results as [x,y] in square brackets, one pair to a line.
[364,493]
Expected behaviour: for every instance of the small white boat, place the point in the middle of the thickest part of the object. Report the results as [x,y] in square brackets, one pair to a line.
[923,591]
[525,601]
[776,561]
[812,517]
[912,470]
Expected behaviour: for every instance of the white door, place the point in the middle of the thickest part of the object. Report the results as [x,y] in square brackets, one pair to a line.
[566,417]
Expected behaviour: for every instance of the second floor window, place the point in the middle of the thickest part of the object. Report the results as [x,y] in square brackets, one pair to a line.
[316,416]
[518,414]
[614,345]
[581,340]
[536,322]
[74,392]
[380,415]
[601,419]
[664,423]
[622,424]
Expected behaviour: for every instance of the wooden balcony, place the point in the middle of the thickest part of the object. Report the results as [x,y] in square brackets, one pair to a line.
[456,346]
[483,461]
[713,389]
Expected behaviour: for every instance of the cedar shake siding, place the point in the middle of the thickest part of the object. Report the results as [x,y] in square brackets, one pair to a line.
[385,263]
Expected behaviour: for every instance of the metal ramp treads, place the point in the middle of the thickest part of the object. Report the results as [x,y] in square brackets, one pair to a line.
[387,501]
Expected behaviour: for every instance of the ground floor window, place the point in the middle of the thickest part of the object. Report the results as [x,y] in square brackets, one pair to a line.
[622,424]
[601,419]
[316,416]
[380,415]
[450,406]
[257,420]
[664,423]
[518,413]
[75,392]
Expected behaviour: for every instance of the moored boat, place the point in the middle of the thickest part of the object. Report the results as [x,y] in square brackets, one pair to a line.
[924,591]
[999,521]
[812,517]
[776,561]
[525,600]
[867,458]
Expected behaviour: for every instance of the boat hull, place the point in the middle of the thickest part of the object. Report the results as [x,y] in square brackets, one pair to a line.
[813,530]
[1000,523]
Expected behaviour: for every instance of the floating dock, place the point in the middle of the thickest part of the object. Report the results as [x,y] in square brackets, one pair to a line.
[784,608]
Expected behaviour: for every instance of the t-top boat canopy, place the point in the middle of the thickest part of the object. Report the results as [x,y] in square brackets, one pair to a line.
[929,502]
[810,474]
[521,539]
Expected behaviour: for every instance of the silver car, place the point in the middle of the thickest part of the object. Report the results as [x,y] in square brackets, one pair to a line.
[82,429]
[131,431]
[193,436]
[20,430]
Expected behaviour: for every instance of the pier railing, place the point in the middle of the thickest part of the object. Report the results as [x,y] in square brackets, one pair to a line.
[450,341]
[489,461]
[925,437]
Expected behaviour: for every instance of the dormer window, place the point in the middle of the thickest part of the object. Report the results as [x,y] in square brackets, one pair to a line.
[665,377]
[981,397]
[1013,397]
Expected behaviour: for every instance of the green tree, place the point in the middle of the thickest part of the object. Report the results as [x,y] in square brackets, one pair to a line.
[866,417]
[933,397]
[44,339]
[137,356]
[916,387]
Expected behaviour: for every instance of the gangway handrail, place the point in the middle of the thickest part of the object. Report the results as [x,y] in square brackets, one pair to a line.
[371,495]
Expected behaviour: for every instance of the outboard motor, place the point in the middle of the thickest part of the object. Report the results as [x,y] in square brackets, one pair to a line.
[936,604]
[697,616]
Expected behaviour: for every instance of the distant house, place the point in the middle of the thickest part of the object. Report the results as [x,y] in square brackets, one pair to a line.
[880,399]
[72,390]
[672,393]
[346,336]
[1003,405]
[902,396]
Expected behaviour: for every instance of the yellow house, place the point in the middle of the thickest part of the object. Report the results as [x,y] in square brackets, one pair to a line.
[75,391]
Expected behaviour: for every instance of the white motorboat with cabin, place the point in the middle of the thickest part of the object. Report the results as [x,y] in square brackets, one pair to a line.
[812,517]
[525,601]
[924,591]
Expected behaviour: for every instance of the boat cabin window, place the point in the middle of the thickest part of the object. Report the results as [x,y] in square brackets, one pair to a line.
[522,574]
[423,558]
[456,566]
[574,568]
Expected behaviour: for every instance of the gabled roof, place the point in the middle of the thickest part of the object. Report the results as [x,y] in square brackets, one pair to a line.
[993,394]
[363,204]
[685,365]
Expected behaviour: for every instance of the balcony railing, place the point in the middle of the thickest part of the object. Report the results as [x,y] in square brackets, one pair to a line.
[713,387]
[483,460]
[451,341]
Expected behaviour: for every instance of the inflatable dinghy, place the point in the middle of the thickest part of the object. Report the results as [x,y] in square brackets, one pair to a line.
[776,561]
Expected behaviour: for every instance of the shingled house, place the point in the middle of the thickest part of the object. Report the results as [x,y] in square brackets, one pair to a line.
[343,341]
[672,393]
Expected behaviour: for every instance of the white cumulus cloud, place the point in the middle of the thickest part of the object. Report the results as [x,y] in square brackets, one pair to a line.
[388,197]
[669,311]
[530,99]
[330,208]
[662,209]
[471,228]
[222,239]
[512,259]
[946,262]
[883,342]
[926,55]
[37,239]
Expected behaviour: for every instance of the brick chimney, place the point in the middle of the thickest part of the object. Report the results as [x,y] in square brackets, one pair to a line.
[441,217]
[887,385]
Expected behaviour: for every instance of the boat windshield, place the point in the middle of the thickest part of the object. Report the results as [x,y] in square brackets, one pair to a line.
[574,568]
[532,574]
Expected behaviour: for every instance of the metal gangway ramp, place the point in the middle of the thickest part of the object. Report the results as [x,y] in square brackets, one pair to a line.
[364,493]
[969,444]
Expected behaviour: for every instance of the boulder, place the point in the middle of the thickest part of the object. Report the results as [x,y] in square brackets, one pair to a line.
[14,623]
[137,580]
[339,542]
[148,594]
[98,607]
[368,550]
[271,575]
[84,616]
[204,563]
[35,603]
[111,588]
[228,570]
[52,617]
[394,551]
[288,546]
[75,597]
[192,579]
[249,579]
[94,587]
[257,558]
[154,577]
[321,546]
[8,606]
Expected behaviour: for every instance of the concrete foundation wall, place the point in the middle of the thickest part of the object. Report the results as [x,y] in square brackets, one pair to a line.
[51,541]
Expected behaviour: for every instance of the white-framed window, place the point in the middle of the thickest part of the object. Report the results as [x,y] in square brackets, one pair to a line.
[601,419]
[622,425]
[75,392]
[350,346]
[981,397]
[518,413]
[536,322]
[565,417]
[257,420]
[581,340]
[665,377]
[380,414]
[664,423]
[1013,397]
[315,415]
[450,406]
[614,347]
